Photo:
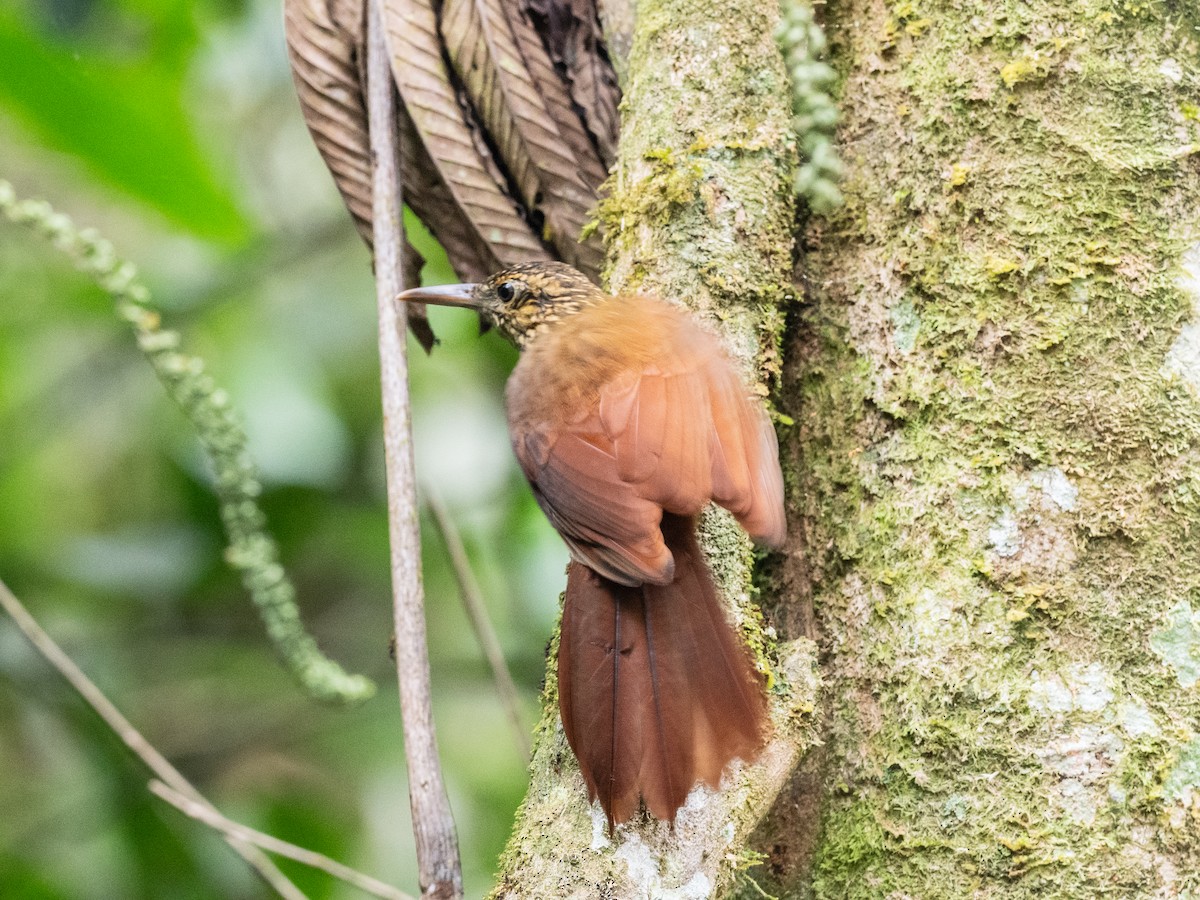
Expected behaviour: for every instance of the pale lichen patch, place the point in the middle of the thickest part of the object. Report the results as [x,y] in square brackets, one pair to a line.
[933,612]
[1092,692]
[1082,688]
[1057,488]
[1171,70]
[1076,802]
[1004,535]
[1087,754]
[1082,760]
[1034,537]
[905,326]
[1137,720]
[1183,359]
[1050,694]
[1185,774]
[1179,643]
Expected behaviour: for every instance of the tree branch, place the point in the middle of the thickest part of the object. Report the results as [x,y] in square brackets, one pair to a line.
[132,738]
[472,598]
[433,825]
[207,815]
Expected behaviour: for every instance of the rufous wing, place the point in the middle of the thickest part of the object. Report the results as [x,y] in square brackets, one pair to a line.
[669,432]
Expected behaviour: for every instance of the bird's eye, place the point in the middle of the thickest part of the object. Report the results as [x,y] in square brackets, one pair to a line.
[507,291]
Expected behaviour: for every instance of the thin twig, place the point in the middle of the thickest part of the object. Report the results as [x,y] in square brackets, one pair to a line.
[133,739]
[438,862]
[231,829]
[472,598]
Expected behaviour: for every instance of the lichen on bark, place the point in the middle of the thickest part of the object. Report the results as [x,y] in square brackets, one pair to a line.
[1000,479]
[699,210]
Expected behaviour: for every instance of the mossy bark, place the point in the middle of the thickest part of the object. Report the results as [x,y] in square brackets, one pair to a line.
[998,430]
[699,210]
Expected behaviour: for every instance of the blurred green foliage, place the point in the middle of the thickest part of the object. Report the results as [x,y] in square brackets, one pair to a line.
[107,83]
[171,125]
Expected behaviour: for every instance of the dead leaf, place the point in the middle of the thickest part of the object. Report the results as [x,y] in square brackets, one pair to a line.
[493,220]
[325,45]
[551,84]
[544,171]
[571,33]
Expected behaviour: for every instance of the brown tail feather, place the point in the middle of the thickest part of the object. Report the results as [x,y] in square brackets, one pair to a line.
[655,689]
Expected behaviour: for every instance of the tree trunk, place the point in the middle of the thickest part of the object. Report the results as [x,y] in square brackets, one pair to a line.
[995,382]
[996,462]
[700,210]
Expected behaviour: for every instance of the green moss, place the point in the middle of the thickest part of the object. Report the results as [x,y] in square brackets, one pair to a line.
[1028,67]
[855,840]
[673,182]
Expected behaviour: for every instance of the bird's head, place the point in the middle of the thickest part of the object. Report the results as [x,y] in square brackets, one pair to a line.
[520,300]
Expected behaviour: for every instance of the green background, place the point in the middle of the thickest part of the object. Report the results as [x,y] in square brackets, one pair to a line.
[171,125]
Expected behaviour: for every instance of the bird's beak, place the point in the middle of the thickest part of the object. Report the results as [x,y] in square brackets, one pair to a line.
[443,295]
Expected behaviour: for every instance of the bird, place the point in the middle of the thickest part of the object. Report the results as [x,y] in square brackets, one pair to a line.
[627,417]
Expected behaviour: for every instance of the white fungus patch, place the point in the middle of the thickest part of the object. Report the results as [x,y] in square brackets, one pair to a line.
[1137,720]
[1077,688]
[698,887]
[1171,70]
[1057,488]
[1004,536]
[599,828]
[1183,359]
[645,873]
[642,863]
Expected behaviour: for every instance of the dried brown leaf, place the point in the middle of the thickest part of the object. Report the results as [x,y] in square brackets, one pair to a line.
[324,39]
[472,257]
[551,85]
[571,33]
[454,176]
[325,44]
[545,172]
